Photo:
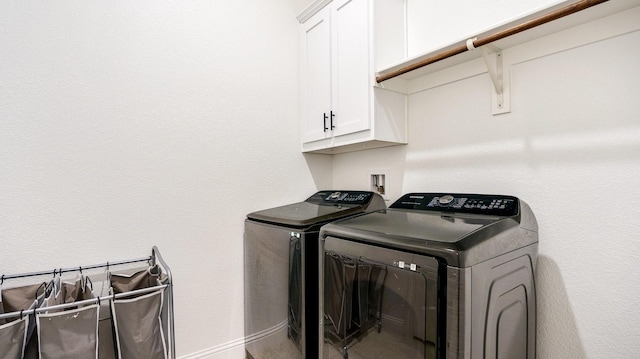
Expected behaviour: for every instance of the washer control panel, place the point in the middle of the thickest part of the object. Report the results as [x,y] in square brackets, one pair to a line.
[495,205]
[340,197]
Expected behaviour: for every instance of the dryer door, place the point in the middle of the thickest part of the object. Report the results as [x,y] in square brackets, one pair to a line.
[274,293]
[378,303]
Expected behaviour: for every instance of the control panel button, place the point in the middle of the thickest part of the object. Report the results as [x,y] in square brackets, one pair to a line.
[445,200]
[331,198]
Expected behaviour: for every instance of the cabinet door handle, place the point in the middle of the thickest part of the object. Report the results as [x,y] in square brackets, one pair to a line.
[332,115]
[324,126]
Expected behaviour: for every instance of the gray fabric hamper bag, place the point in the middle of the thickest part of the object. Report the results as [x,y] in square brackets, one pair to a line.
[69,334]
[138,326]
[25,298]
[13,338]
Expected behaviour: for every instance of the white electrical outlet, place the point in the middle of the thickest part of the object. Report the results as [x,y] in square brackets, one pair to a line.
[379,182]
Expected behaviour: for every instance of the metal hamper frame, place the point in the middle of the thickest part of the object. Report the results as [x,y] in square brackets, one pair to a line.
[154,259]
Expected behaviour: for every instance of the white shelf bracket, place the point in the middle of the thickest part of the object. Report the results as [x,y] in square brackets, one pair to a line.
[500,96]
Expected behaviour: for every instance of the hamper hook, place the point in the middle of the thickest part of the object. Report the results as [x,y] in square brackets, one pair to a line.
[87,280]
[42,286]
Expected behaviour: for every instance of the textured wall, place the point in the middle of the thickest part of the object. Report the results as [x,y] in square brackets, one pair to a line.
[433,24]
[127,124]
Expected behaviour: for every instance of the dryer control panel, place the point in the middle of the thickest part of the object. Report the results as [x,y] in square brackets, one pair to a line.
[340,197]
[494,205]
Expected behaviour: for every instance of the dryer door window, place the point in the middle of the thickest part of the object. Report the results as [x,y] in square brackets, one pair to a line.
[378,303]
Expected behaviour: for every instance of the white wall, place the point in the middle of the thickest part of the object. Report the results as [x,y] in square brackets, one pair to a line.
[571,149]
[433,24]
[128,124]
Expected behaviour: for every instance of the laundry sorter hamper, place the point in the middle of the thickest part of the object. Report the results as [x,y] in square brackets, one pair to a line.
[121,309]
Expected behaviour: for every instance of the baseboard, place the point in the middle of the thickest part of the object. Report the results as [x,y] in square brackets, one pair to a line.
[230,350]
[235,348]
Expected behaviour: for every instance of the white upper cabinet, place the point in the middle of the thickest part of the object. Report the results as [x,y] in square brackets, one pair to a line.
[342,109]
[350,95]
[316,89]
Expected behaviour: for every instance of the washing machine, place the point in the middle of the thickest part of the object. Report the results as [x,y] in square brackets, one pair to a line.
[281,276]
[434,276]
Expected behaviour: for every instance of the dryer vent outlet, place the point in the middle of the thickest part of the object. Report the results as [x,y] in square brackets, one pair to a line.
[379,183]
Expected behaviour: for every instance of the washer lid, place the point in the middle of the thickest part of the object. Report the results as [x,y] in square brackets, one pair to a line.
[322,207]
[462,236]
[432,227]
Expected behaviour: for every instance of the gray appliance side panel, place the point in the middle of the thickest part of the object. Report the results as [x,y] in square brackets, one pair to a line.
[376,204]
[503,239]
[503,306]
[528,220]
[266,282]
[458,313]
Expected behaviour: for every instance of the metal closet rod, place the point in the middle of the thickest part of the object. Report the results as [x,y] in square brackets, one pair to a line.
[75,269]
[463,47]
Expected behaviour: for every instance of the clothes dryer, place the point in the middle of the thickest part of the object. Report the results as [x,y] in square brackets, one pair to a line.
[434,276]
[281,255]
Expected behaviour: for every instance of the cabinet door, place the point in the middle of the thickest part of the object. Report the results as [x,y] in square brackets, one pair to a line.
[351,72]
[316,81]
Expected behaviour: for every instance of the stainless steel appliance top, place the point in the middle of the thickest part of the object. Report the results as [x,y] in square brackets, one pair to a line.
[461,229]
[320,208]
